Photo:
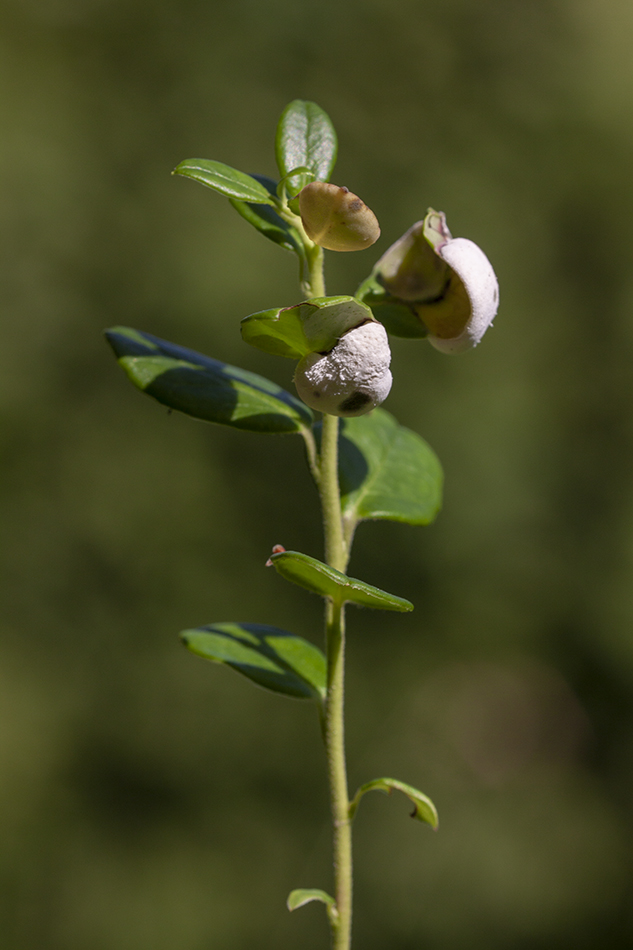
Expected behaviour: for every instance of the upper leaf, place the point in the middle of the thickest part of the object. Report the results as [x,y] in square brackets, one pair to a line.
[206,388]
[423,808]
[387,472]
[225,180]
[305,137]
[268,222]
[316,325]
[320,578]
[270,657]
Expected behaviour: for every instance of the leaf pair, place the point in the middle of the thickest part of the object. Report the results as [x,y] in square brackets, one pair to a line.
[274,658]
[305,148]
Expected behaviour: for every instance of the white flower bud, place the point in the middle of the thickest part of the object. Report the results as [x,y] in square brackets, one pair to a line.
[352,378]
[482,290]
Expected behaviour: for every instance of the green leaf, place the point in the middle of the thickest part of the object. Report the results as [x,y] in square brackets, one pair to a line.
[321,579]
[398,317]
[270,657]
[423,808]
[302,896]
[305,137]
[266,220]
[316,325]
[225,180]
[387,472]
[205,388]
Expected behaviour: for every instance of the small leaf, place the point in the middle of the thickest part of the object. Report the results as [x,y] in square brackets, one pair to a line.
[305,137]
[206,388]
[270,657]
[266,220]
[397,316]
[321,579]
[424,809]
[302,896]
[225,180]
[314,326]
[387,472]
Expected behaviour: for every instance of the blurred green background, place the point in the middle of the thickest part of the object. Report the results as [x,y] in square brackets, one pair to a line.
[149,800]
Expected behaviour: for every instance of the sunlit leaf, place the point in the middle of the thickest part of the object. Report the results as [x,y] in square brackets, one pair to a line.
[314,326]
[206,388]
[225,180]
[305,137]
[387,472]
[423,808]
[315,576]
[270,657]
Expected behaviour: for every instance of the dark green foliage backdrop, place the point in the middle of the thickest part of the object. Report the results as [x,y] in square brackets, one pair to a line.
[149,800]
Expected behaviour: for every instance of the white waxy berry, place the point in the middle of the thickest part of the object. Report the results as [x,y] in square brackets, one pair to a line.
[479,282]
[352,378]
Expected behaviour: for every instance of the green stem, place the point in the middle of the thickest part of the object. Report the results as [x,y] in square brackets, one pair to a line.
[334,732]
[336,555]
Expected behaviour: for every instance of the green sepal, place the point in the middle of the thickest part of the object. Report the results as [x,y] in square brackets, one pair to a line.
[302,896]
[272,658]
[206,388]
[315,325]
[398,318]
[266,220]
[305,137]
[423,808]
[320,578]
[225,180]
[387,472]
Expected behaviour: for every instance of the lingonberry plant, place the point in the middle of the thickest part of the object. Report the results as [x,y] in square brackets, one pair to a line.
[365,465]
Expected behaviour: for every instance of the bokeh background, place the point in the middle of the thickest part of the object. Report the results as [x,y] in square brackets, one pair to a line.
[149,800]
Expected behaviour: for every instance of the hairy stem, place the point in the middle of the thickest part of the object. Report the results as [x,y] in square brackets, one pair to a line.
[336,555]
[334,734]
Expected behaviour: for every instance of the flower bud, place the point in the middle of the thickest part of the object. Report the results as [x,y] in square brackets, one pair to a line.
[336,219]
[352,378]
[431,284]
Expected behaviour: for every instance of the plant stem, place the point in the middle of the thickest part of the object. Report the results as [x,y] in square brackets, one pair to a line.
[336,555]
[333,732]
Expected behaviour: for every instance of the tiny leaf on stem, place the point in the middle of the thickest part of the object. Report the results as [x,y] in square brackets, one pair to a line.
[424,809]
[273,658]
[320,578]
[206,388]
[302,896]
[225,180]
[305,137]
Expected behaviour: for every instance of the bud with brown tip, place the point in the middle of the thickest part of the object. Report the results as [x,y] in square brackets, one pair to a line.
[336,219]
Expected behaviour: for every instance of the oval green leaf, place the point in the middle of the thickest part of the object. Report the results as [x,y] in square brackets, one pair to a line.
[305,137]
[225,180]
[315,325]
[272,658]
[387,472]
[423,808]
[320,578]
[266,220]
[206,388]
